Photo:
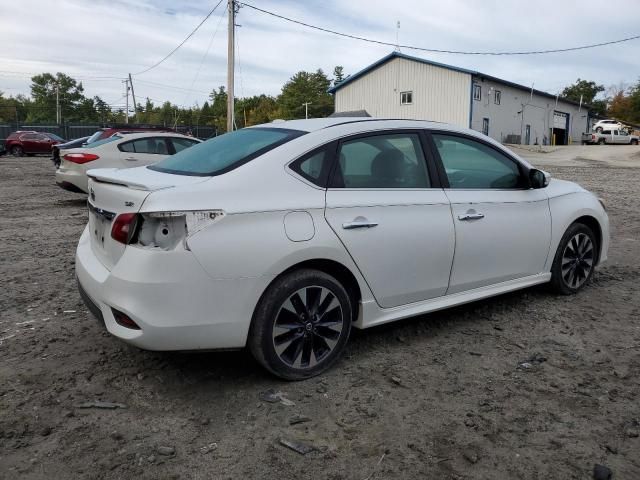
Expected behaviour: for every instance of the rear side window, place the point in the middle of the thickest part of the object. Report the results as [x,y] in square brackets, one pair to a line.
[151,145]
[225,152]
[315,165]
[180,144]
[382,161]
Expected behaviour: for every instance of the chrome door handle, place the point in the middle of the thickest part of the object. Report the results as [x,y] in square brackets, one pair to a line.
[131,159]
[358,224]
[471,216]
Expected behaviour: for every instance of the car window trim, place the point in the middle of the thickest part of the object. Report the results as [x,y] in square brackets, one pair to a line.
[522,168]
[433,179]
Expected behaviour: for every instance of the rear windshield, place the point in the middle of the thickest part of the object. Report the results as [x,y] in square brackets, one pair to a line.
[102,142]
[225,152]
[94,137]
[54,137]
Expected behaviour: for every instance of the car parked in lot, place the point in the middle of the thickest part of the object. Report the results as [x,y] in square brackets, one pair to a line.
[121,150]
[28,142]
[57,148]
[613,137]
[284,236]
[608,124]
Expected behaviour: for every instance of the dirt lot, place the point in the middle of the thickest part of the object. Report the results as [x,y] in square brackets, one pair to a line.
[442,396]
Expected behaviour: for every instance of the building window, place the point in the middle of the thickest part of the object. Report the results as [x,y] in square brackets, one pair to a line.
[406,98]
[496,98]
[477,92]
[485,126]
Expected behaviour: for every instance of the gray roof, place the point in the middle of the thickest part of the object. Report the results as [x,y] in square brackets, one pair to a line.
[474,73]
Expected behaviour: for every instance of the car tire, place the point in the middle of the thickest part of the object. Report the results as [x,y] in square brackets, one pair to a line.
[301,324]
[17,151]
[602,141]
[634,142]
[575,260]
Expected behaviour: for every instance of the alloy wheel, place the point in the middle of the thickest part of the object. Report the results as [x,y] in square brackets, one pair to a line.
[577,260]
[307,327]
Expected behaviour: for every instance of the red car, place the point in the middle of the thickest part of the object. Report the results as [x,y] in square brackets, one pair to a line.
[29,142]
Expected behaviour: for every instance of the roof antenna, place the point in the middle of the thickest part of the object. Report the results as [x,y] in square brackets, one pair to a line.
[397,36]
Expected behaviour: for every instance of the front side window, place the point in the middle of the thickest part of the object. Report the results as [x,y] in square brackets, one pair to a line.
[472,164]
[406,98]
[477,91]
[225,152]
[497,97]
[381,161]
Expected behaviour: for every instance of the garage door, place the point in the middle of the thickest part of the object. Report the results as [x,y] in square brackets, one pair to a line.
[560,120]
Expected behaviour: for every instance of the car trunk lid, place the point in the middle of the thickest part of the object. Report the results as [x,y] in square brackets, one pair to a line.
[113,192]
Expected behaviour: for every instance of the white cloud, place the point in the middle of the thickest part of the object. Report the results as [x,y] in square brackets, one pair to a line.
[112,38]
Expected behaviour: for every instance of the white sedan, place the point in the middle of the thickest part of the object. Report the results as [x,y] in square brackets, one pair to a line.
[282,237]
[118,151]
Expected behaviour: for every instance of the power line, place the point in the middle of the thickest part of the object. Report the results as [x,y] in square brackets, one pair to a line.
[181,43]
[434,50]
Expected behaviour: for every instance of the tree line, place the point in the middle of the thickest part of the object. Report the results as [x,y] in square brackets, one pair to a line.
[621,102]
[75,106]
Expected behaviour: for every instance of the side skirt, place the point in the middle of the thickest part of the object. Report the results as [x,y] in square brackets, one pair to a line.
[373,315]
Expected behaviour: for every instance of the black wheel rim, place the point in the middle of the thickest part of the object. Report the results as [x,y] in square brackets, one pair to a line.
[577,260]
[308,327]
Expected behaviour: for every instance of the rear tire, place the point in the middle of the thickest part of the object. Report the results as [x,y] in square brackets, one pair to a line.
[575,260]
[634,142]
[301,324]
[17,151]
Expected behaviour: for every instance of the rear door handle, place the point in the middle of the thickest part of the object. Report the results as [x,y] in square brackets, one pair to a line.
[470,216]
[358,224]
[131,159]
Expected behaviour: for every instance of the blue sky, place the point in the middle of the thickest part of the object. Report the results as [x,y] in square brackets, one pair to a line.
[97,38]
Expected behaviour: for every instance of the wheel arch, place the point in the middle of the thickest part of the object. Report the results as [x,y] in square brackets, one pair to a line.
[593,223]
[331,267]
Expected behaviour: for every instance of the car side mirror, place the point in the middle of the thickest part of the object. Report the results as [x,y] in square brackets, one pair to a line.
[539,178]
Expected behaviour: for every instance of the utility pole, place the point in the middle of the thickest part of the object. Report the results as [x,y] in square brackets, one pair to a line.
[126,94]
[133,95]
[57,103]
[306,109]
[230,63]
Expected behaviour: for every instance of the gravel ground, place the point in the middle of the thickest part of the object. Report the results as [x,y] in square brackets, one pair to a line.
[441,396]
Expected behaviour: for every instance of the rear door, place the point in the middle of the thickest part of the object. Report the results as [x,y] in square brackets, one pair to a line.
[143,151]
[29,142]
[503,227]
[387,208]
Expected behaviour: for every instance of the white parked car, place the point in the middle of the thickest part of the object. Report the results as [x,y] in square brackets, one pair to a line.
[282,237]
[118,151]
[601,125]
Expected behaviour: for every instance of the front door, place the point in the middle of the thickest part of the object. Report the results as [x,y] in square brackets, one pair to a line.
[396,226]
[503,228]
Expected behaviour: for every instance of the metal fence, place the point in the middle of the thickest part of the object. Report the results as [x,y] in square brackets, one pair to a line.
[70,131]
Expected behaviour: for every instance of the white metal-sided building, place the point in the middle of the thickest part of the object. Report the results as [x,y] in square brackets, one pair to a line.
[402,86]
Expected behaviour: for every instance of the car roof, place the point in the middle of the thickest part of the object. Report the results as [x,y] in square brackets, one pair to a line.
[153,134]
[314,124]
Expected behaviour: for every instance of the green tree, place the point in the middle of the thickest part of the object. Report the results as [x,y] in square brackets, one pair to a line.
[306,87]
[634,103]
[43,92]
[588,91]
[219,109]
